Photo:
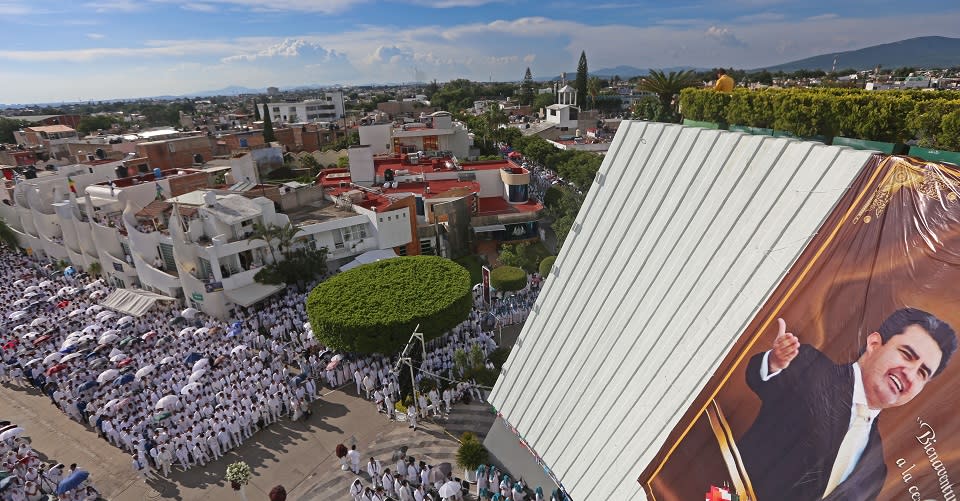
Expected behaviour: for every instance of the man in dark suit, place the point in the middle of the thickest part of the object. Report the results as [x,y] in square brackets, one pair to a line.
[816,435]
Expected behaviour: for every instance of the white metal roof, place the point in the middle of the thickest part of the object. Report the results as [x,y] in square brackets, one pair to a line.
[682,237]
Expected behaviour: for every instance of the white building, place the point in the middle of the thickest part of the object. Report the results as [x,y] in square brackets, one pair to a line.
[196,246]
[327,108]
[434,132]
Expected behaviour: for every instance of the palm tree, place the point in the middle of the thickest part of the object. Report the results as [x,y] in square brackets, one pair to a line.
[285,235]
[593,89]
[666,86]
[268,233]
[95,269]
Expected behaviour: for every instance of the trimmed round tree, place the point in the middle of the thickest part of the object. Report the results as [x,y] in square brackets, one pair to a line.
[508,278]
[546,265]
[375,307]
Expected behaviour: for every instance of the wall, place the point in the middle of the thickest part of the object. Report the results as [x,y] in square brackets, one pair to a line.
[378,137]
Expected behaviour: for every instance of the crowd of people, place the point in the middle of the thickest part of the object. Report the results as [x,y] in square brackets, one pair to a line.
[176,389]
[24,476]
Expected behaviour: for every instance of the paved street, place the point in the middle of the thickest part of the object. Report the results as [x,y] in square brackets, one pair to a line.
[299,456]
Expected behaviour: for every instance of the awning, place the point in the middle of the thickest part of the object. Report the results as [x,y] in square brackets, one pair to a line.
[369,257]
[133,302]
[490,228]
[253,293]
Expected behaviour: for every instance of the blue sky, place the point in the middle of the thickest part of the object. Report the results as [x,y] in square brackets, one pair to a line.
[88,50]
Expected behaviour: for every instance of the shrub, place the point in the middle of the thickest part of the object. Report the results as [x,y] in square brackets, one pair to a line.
[473,265]
[374,307]
[546,265]
[508,278]
[499,357]
[472,454]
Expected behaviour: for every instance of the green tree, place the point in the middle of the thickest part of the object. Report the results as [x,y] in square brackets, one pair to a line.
[593,90]
[508,278]
[268,135]
[666,86]
[546,265]
[90,124]
[270,232]
[526,255]
[7,127]
[581,81]
[375,307]
[308,161]
[543,100]
[526,88]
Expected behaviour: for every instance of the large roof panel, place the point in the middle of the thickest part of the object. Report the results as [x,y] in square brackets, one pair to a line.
[683,236]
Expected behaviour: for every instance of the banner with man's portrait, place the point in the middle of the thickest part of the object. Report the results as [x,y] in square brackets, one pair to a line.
[845,385]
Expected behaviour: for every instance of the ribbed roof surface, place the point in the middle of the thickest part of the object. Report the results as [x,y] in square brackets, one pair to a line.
[683,236]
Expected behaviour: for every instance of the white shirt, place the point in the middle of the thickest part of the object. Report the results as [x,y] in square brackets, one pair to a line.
[859,398]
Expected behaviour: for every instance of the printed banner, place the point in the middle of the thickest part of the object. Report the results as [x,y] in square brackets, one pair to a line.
[843,386]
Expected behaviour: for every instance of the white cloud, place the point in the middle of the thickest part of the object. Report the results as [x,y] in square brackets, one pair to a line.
[114,6]
[446,4]
[320,6]
[96,36]
[288,48]
[724,37]
[823,17]
[199,7]
[529,58]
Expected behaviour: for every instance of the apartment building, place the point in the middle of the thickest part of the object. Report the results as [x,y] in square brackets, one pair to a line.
[326,108]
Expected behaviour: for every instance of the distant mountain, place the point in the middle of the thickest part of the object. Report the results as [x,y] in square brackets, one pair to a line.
[920,52]
[232,90]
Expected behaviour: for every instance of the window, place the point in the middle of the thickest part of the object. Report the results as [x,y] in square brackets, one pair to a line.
[292,109]
[355,232]
[426,248]
[276,109]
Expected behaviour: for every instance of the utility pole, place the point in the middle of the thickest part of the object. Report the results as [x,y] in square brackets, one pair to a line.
[406,359]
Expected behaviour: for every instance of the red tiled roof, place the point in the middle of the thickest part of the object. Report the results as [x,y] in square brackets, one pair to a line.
[490,206]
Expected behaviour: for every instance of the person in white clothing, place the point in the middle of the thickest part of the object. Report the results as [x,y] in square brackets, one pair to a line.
[354,458]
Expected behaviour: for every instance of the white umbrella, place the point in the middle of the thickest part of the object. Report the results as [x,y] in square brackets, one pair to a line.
[95,283]
[31,294]
[167,360]
[21,326]
[105,314]
[34,361]
[147,369]
[107,375]
[201,331]
[32,288]
[185,331]
[12,432]
[71,341]
[20,302]
[114,352]
[90,328]
[19,282]
[86,338]
[45,283]
[238,349]
[111,331]
[189,388]
[17,315]
[30,335]
[167,402]
[96,294]
[37,321]
[197,375]
[450,489]
[108,338]
[203,363]
[70,357]
[95,308]
[125,320]
[189,313]
[75,313]
[111,403]
[53,357]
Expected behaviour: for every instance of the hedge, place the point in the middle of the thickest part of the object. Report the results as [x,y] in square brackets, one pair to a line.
[546,265]
[508,278]
[375,307]
[888,116]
